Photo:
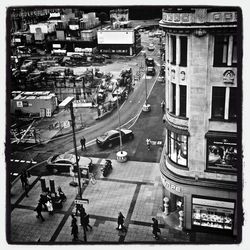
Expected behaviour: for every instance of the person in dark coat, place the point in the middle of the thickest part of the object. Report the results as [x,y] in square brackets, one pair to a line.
[86,222]
[83,143]
[156,228]
[38,209]
[74,228]
[120,221]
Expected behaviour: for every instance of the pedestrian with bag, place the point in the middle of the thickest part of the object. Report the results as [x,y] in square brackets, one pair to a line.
[38,209]
[156,228]
[120,221]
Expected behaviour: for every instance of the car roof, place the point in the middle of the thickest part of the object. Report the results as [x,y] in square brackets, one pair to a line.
[111,132]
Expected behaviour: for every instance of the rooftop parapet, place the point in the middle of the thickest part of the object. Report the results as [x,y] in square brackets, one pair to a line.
[198,17]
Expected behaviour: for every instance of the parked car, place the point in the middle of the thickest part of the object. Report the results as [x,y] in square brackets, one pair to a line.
[151,47]
[63,162]
[112,138]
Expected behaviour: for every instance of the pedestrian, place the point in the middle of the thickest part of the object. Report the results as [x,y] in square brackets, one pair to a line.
[148,142]
[156,228]
[50,207]
[38,209]
[23,178]
[120,221]
[163,106]
[83,143]
[43,200]
[86,222]
[74,230]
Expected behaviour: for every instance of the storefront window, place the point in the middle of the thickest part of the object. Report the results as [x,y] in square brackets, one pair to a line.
[208,213]
[222,154]
[177,148]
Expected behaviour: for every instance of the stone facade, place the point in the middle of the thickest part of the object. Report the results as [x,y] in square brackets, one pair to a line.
[199,81]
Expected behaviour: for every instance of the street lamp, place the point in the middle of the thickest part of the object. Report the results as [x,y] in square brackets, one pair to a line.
[146,105]
[68,102]
[121,155]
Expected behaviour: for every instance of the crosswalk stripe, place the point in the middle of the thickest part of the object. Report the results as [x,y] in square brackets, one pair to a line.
[23,161]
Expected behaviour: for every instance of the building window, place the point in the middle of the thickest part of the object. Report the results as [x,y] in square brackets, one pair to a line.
[234,50]
[183,59]
[183,99]
[218,102]
[174,98]
[221,153]
[177,148]
[233,103]
[173,40]
[225,51]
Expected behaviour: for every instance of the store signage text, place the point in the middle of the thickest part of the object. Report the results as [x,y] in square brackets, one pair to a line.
[170,186]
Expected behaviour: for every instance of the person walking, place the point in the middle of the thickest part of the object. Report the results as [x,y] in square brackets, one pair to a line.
[83,143]
[86,222]
[148,142]
[163,106]
[74,229]
[50,207]
[120,221]
[156,228]
[38,209]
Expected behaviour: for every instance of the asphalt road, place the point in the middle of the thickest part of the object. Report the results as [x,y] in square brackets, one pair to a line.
[129,112]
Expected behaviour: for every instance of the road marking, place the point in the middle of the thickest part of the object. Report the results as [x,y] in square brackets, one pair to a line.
[23,161]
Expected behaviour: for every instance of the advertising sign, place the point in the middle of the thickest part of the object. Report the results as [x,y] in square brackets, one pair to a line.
[115,37]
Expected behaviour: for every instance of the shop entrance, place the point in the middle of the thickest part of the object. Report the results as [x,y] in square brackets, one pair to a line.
[175,202]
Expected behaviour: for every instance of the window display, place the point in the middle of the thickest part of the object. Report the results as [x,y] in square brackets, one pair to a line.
[222,153]
[211,215]
[177,148]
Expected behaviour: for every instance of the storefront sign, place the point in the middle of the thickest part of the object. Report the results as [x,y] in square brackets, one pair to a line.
[170,186]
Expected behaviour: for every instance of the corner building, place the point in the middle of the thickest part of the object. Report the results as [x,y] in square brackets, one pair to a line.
[201,161]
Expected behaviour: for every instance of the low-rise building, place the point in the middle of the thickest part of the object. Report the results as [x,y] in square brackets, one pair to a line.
[38,103]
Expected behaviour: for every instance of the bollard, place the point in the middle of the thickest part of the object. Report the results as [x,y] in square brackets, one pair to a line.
[43,185]
[52,186]
[166,200]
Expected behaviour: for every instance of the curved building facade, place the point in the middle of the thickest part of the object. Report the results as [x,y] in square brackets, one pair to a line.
[201,161]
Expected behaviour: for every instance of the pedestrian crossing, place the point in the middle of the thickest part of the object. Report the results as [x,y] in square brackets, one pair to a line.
[23,161]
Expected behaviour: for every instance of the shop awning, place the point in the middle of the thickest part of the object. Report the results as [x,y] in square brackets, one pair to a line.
[221,134]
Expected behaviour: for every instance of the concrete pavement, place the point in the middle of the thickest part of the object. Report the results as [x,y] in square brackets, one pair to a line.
[134,188]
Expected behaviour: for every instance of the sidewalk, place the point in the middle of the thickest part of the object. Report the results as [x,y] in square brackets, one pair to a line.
[134,188]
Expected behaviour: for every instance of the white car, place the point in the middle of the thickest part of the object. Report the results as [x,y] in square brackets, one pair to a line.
[151,47]
[63,162]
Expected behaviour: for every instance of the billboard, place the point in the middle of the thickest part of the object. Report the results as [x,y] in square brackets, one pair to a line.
[115,37]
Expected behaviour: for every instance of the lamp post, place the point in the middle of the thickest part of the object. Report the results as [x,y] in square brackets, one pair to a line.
[121,155]
[68,102]
[146,107]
